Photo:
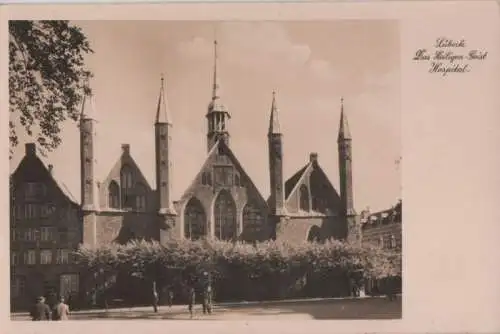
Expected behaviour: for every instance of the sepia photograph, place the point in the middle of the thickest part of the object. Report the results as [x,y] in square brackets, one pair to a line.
[205,170]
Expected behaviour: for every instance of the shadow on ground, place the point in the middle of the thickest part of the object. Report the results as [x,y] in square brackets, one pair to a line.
[369,308]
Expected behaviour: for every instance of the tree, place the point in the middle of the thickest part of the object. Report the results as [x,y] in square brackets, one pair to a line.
[47,79]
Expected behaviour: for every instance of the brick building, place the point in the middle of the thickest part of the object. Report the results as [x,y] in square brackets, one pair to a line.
[45,228]
[383,229]
[221,202]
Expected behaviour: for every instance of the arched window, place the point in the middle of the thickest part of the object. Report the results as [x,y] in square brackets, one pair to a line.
[225,216]
[204,178]
[113,195]
[126,186]
[237,180]
[140,197]
[314,234]
[253,218]
[304,198]
[195,220]
[319,192]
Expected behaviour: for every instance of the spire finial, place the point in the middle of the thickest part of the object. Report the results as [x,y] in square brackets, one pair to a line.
[216,82]
[162,112]
[274,125]
[344,132]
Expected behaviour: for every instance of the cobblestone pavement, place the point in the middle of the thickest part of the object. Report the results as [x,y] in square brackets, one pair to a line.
[365,308]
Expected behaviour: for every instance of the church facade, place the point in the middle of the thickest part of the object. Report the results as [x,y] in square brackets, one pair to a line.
[222,201]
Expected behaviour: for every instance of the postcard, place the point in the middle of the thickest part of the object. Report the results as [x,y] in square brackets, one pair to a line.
[237,166]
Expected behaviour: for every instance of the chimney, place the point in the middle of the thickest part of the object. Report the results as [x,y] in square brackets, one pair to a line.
[51,167]
[126,148]
[313,157]
[30,149]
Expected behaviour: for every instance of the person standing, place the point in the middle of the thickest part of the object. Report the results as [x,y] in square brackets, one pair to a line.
[40,311]
[60,310]
[170,295]
[155,298]
[207,299]
[191,300]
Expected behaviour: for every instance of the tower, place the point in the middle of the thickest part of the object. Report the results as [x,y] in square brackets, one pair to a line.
[87,178]
[275,143]
[344,142]
[217,115]
[163,138]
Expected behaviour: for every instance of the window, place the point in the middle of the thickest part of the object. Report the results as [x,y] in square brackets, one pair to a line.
[47,233]
[195,220]
[319,192]
[204,178]
[17,286]
[252,217]
[225,216]
[113,195]
[381,242]
[46,210]
[209,178]
[126,178]
[30,234]
[393,242]
[63,256]
[34,191]
[69,284]
[31,211]
[30,257]
[126,183]
[46,256]
[223,176]
[14,260]
[304,198]
[140,198]
[237,181]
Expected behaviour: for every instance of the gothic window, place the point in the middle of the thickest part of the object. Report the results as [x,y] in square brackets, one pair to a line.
[319,192]
[252,217]
[225,216]
[209,178]
[195,220]
[204,178]
[223,176]
[140,197]
[113,195]
[304,198]
[126,186]
[237,181]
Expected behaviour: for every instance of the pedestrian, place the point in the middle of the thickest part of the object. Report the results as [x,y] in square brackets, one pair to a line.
[60,310]
[170,295]
[207,299]
[40,311]
[191,301]
[155,298]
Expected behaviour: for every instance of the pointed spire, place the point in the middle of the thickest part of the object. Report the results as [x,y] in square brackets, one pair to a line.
[344,133]
[215,87]
[162,112]
[274,124]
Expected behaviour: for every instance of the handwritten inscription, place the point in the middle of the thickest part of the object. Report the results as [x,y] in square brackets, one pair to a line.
[449,56]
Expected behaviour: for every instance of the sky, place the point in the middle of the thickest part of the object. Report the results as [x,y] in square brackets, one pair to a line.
[311,65]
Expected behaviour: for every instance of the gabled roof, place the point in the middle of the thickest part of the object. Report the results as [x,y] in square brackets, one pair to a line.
[127,156]
[40,164]
[292,182]
[234,160]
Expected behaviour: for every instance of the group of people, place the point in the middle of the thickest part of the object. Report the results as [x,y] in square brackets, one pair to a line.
[206,293]
[42,311]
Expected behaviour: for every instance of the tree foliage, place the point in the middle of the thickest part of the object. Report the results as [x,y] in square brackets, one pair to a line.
[271,259]
[47,78]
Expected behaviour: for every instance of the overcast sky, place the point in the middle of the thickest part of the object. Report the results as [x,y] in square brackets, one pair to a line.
[310,64]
